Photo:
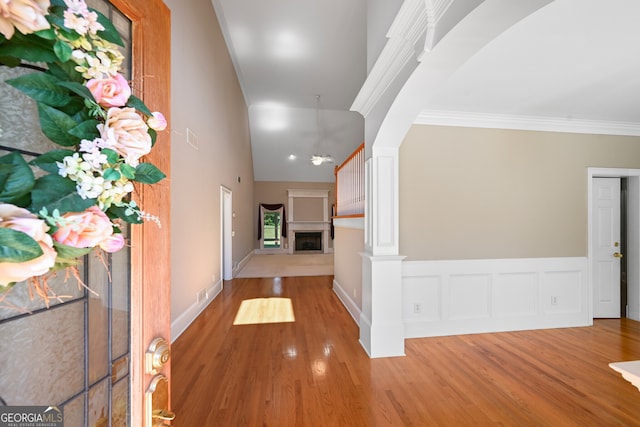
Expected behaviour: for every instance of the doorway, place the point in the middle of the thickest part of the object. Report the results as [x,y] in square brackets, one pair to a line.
[614,242]
[271,223]
[226,230]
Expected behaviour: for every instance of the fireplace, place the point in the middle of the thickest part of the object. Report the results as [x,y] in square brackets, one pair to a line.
[308,241]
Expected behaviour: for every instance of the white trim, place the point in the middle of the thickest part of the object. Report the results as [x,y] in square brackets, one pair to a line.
[381,326]
[408,26]
[356,223]
[183,321]
[633,234]
[226,236]
[522,122]
[347,301]
[494,295]
[308,193]
[243,262]
[385,205]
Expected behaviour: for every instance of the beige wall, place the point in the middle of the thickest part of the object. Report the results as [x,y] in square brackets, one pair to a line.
[309,209]
[206,98]
[484,193]
[306,209]
[347,262]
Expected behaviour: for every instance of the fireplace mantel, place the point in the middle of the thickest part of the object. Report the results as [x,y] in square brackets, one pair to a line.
[294,225]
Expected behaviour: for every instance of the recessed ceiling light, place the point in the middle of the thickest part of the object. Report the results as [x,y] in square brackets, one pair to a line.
[292,156]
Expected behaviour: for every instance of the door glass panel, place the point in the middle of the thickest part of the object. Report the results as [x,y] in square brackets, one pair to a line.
[75,353]
[271,229]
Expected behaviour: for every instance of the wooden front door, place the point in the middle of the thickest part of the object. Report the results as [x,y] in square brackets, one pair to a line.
[86,353]
[150,245]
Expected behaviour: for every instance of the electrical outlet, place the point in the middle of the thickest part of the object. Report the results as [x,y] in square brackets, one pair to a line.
[355,293]
[417,308]
[554,300]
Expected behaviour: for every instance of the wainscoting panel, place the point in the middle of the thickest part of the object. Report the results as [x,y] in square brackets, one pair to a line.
[476,296]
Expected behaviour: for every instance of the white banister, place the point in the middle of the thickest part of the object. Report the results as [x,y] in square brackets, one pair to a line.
[350,185]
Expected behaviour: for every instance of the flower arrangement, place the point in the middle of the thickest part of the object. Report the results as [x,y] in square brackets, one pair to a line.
[82,194]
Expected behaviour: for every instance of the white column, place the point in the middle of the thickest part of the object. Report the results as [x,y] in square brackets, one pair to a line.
[381,325]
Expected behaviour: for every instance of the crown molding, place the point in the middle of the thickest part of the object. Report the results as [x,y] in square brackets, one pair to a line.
[521,122]
[435,10]
[408,26]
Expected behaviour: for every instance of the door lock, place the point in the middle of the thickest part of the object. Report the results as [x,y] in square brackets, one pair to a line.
[157,355]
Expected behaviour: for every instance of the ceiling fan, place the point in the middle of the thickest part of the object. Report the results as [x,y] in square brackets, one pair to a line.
[319,159]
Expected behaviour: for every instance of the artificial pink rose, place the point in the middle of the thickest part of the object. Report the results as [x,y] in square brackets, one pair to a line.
[126,133]
[27,16]
[113,243]
[22,220]
[84,229]
[157,121]
[110,92]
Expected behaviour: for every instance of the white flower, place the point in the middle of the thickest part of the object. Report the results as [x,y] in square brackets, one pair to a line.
[88,146]
[94,25]
[89,186]
[78,7]
[72,166]
[74,22]
[95,159]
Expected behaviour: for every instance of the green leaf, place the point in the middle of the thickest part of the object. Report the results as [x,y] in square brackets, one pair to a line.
[47,161]
[122,213]
[56,125]
[110,32]
[48,34]
[16,246]
[112,156]
[9,61]
[56,192]
[111,174]
[62,50]
[29,48]
[79,89]
[70,252]
[148,174]
[16,178]
[86,130]
[66,71]
[135,102]
[154,135]
[42,87]
[74,108]
[128,171]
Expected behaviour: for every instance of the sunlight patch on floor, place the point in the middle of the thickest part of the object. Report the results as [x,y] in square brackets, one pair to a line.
[264,310]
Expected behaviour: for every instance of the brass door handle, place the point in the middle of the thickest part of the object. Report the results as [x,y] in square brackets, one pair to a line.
[618,255]
[163,414]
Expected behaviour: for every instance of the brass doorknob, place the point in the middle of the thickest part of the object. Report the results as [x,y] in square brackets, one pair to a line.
[618,255]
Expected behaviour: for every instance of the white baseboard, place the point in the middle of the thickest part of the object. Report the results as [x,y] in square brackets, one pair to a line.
[243,262]
[349,303]
[477,296]
[183,321]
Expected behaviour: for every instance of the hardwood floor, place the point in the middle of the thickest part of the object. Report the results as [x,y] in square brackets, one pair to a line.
[313,372]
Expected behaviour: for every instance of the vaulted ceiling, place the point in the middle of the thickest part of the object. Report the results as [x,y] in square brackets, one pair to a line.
[540,62]
[300,64]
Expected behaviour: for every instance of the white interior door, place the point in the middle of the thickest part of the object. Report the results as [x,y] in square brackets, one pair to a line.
[227,233]
[606,247]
